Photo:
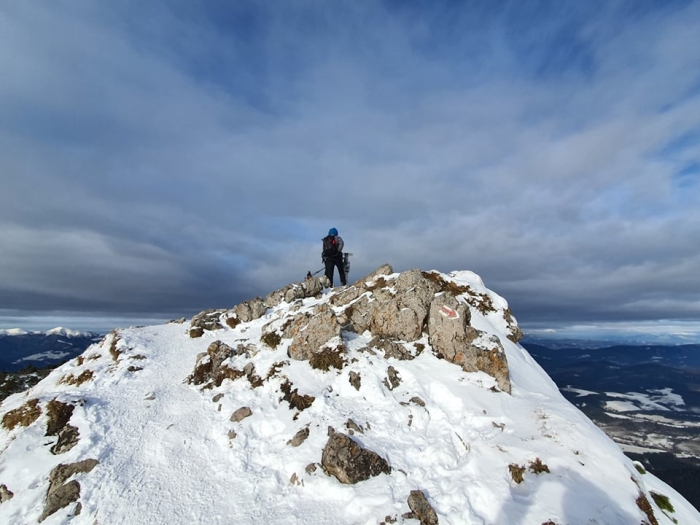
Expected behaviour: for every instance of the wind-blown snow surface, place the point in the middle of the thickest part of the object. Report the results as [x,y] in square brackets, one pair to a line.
[166,457]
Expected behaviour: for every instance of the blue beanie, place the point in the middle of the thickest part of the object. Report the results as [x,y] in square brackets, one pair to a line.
[332,231]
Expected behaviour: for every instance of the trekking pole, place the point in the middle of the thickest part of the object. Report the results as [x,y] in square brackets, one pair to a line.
[309,275]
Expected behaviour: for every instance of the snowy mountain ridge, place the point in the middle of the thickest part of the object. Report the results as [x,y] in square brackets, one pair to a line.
[404,398]
[59,330]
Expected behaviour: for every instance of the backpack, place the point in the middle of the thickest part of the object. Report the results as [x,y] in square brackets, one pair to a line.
[330,246]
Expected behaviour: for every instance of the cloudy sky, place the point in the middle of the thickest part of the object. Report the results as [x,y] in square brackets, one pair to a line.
[159,158]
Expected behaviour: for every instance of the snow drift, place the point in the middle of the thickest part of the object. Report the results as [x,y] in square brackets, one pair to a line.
[403,398]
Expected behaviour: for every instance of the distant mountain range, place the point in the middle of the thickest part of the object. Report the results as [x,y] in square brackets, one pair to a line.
[20,348]
[645,397]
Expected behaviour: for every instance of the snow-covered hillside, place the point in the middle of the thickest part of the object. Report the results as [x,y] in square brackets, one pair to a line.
[233,418]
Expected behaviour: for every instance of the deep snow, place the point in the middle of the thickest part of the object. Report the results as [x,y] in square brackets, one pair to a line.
[166,457]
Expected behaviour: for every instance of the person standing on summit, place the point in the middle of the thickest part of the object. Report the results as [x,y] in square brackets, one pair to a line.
[332,255]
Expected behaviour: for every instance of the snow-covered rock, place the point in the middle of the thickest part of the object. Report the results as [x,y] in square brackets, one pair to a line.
[155,441]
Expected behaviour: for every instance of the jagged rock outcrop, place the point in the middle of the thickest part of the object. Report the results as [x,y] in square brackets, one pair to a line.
[348,462]
[292,292]
[391,349]
[453,338]
[401,313]
[310,333]
[208,370]
[250,310]
[206,320]
[396,309]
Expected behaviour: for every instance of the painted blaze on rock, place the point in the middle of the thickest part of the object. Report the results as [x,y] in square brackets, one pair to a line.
[452,337]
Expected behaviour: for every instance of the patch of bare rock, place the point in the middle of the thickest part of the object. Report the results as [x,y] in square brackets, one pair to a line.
[349,462]
[59,415]
[421,508]
[5,494]
[62,492]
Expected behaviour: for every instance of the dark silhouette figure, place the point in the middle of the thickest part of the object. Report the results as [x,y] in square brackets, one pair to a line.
[332,255]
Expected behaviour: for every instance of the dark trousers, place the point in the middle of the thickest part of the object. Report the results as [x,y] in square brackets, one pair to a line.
[330,263]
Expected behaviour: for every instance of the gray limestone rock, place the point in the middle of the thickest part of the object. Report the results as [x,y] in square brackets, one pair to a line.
[60,493]
[355,380]
[250,310]
[208,366]
[384,269]
[67,438]
[348,462]
[241,414]
[451,336]
[515,333]
[392,380]
[207,320]
[418,401]
[448,326]
[391,349]
[390,320]
[421,508]
[346,296]
[275,298]
[400,308]
[313,286]
[5,494]
[299,437]
[310,334]
[351,425]
[486,354]
[293,293]
[359,314]
[60,497]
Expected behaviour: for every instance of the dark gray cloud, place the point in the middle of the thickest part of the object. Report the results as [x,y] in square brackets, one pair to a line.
[160,159]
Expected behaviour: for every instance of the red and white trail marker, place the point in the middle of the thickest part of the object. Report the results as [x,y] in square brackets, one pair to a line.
[448,312]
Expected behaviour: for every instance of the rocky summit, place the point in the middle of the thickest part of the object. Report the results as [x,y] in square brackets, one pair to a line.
[402,398]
